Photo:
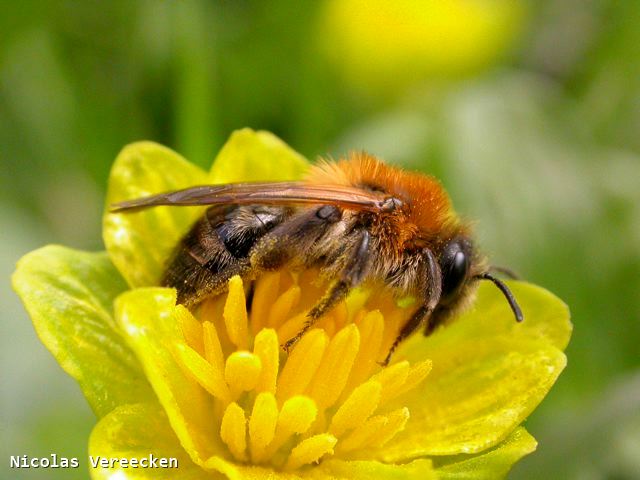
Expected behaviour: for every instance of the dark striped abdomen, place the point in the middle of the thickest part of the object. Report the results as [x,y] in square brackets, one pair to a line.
[216,248]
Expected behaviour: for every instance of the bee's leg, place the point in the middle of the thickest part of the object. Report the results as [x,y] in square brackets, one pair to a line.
[351,276]
[438,317]
[432,279]
[414,322]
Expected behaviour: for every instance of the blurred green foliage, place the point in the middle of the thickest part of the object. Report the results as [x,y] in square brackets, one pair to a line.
[538,142]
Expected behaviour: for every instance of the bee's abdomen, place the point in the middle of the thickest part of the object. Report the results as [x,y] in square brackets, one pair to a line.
[244,226]
[217,246]
[237,245]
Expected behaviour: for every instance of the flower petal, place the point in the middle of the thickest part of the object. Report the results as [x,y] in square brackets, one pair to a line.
[546,316]
[489,373]
[257,156]
[334,469]
[367,470]
[147,317]
[139,243]
[69,295]
[135,432]
[489,465]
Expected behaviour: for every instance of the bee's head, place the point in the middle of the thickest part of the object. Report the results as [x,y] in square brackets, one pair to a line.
[461,268]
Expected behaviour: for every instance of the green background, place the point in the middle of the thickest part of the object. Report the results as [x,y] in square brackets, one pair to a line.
[528,112]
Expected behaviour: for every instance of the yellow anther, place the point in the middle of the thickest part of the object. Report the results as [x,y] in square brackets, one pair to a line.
[363,434]
[287,278]
[242,371]
[235,314]
[212,349]
[340,315]
[312,286]
[362,402]
[291,327]
[328,324]
[297,415]
[311,450]
[371,329]
[396,422]
[335,367]
[202,371]
[301,365]
[233,431]
[262,425]
[392,380]
[267,348]
[266,291]
[282,307]
[191,328]
[417,374]
[394,319]
[356,302]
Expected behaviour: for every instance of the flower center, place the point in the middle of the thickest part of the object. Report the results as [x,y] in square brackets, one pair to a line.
[328,396]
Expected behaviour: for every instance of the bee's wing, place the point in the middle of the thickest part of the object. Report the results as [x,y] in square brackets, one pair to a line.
[274,193]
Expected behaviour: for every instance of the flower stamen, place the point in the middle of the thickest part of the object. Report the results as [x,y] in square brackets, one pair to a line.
[328,395]
[302,364]
[203,372]
[335,367]
[212,348]
[267,348]
[282,306]
[262,425]
[235,314]
[265,291]
[233,431]
[242,371]
[311,450]
[362,402]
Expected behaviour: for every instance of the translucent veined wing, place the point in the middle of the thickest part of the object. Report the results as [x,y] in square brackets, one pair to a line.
[271,193]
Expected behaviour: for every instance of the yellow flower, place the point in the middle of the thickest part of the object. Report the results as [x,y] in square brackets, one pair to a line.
[381,46]
[212,390]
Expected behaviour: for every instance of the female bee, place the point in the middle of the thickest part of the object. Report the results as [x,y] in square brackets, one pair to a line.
[359,220]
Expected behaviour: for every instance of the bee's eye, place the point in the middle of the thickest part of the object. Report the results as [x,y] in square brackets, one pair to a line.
[454,264]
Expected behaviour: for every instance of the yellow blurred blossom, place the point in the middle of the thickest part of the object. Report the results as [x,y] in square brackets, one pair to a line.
[383,46]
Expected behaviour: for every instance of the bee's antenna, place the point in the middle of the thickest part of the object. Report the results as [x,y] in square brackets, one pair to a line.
[506,292]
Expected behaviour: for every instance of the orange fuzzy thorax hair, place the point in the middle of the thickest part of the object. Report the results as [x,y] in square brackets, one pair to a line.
[427,212]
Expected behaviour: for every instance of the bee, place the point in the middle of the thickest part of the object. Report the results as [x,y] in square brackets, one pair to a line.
[359,220]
